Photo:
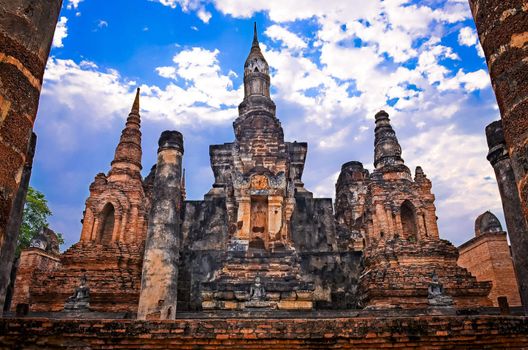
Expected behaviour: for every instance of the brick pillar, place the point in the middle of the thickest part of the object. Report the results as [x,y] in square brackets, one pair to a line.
[158,295]
[511,204]
[7,250]
[26,33]
[503,31]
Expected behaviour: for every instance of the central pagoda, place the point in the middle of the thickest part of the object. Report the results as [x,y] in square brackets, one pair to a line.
[259,176]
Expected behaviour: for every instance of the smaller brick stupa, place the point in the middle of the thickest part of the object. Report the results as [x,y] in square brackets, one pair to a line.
[403,249]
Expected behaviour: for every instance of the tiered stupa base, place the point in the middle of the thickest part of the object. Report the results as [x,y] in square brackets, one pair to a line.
[258,279]
[398,273]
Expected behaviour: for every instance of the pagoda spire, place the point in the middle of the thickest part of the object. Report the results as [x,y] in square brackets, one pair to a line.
[256,70]
[135,105]
[387,149]
[255,36]
[127,158]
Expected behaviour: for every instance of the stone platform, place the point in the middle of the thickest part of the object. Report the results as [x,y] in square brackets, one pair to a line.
[375,332]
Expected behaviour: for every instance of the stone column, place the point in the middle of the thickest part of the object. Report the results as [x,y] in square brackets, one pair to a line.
[503,31]
[511,204]
[26,33]
[159,279]
[7,249]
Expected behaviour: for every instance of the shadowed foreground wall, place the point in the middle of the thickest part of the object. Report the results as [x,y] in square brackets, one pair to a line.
[503,31]
[26,33]
[322,333]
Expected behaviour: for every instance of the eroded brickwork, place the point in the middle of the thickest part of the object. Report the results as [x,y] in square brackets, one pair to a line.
[26,32]
[500,160]
[110,251]
[503,31]
[393,216]
[259,241]
[425,332]
[488,258]
[117,209]
[113,273]
[8,249]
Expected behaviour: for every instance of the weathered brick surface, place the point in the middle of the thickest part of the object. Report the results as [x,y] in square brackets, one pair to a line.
[110,252]
[503,31]
[392,218]
[487,256]
[117,209]
[8,248]
[488,259]
[34,262]
[501,162]
[398,273]
[259,175]
[113,272]
[476,332]
[26,31]
[259,240]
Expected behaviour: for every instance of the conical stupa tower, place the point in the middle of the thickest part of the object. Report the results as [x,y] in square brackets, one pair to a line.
[116,210]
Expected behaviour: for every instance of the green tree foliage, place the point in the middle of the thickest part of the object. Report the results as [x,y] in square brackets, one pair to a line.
[36,214]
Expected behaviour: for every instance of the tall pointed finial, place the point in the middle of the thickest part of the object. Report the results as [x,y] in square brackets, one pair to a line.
[135,106]
[127,158]
[255,35]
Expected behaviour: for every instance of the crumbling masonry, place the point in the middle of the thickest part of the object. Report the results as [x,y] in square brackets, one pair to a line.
[26,32]
[503,31]
[259,241]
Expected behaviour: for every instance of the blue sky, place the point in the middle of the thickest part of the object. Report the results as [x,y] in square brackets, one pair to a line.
[334,65]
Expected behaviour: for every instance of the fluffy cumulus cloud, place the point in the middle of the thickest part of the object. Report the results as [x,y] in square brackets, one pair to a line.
[467,36]
[189,5]
[365,56]
[61,32]
[197,92]
[329,81]
[73,4]
[289,39]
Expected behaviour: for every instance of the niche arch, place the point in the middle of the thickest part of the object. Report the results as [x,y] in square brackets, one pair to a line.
[108,219]
[409,220]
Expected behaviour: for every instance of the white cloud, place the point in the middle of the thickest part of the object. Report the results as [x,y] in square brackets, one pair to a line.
[205,95]
[167,72]
[61,32]
[187,6]
[102,23]
[204,15]
[289,39]
[73,4]
[456,163]
[467,36]
[474,80]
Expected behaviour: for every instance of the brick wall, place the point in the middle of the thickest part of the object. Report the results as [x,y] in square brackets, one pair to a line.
[488,258]
[318,333]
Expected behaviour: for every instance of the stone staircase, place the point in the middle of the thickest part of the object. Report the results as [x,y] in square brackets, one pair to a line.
[258,279]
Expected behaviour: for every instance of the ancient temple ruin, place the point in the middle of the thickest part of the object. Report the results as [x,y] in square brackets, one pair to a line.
[259,241]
